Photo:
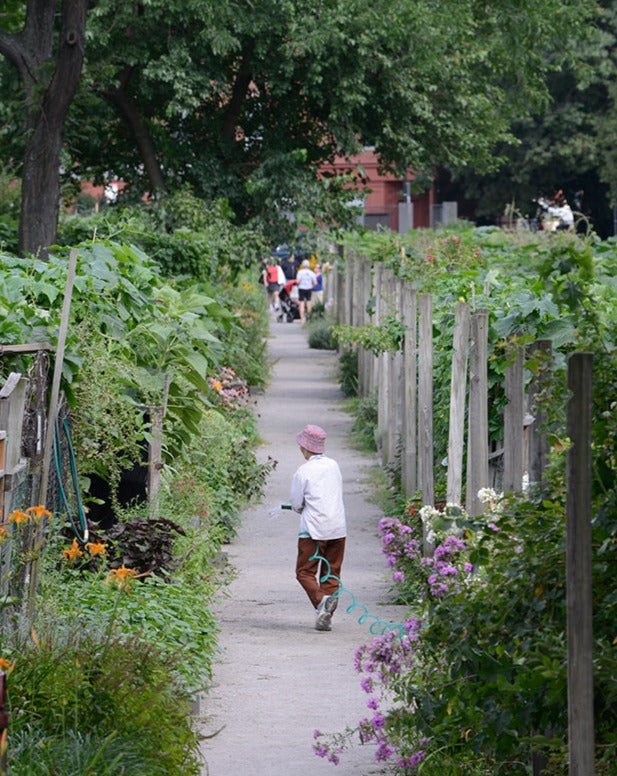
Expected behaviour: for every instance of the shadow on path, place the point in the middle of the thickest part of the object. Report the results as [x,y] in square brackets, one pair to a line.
[278,678]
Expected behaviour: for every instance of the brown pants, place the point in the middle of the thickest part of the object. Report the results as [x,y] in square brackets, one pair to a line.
[310,571]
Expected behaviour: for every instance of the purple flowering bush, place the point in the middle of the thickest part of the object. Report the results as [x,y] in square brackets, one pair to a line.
[477,682]
[418,576]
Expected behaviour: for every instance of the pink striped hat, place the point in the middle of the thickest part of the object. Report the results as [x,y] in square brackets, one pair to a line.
[312,438]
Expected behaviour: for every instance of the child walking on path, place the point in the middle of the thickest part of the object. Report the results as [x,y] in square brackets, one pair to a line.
[317,494]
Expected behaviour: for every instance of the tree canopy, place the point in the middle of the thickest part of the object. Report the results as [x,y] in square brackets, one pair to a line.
[244,100]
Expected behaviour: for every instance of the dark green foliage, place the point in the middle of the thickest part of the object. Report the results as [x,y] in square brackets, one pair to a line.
[364,428]
[348,372]
[144,544]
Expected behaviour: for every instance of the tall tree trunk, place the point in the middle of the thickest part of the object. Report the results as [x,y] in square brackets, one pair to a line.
[138,128]
[47,104]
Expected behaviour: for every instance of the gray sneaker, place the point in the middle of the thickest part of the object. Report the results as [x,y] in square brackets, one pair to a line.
[331,602]
[324,610]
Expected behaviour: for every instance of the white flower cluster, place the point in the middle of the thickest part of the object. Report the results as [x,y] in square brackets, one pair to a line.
[428,512]
[491,498]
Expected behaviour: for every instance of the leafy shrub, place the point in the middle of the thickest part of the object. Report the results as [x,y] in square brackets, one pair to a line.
[9,234]
[182,233]
[348,372]
[167,611]
[79,704]
[320,335]
[364,429]
[230,469]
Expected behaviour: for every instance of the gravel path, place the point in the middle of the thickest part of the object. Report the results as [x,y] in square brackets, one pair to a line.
[279,679]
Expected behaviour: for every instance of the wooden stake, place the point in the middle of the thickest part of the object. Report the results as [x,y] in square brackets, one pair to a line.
[578,567]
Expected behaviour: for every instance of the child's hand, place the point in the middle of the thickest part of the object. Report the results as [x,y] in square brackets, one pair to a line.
[276,510]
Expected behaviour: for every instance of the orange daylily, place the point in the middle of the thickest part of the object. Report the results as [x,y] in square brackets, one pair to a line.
[38,512]
[6,664]
[18,517]
[96,548]
[4,534]
[217,385]
[73,553]
[124,576]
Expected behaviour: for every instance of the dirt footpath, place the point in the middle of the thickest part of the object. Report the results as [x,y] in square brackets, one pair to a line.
[279,679]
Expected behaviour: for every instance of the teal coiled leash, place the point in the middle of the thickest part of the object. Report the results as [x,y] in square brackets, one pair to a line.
[378,626]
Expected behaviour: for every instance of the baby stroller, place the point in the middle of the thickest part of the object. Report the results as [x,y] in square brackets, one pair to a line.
[289,310]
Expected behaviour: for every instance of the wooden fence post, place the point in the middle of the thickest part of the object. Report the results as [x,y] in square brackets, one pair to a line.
[395,364]
[477,447]
[513,422]
[384,387]
[578,567]
[333,283]
[409,462]
[378,282]
[538,447]
[365,366]
[350,271]
[458,394]
[425,400]
[340,293]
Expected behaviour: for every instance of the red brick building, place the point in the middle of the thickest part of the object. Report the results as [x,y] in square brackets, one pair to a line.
[387,201]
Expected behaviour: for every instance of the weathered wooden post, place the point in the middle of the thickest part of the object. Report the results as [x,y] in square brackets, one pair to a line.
[425,400]
[458,394]
[361,296]
[409,462]
[340,291]
[367,369]
[477,437]
[383,393]
[578,567]
[332,303]
[398,381]
[513,423]
[350,271]
[377,282]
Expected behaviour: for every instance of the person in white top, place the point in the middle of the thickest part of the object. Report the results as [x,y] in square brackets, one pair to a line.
[317,494]
[307,280]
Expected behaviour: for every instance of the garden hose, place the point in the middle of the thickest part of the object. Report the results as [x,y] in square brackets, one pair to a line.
[81,530]
[377,626]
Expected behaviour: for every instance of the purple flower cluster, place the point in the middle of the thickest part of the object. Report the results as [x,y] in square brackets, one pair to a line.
[444,572]
[375,730]
[384,658]
[332,754]
[398,545]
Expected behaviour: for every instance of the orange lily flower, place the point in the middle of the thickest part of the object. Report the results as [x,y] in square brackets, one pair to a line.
[96,548]
[18,517]
[38,512]
[73,553]
[7,665]
[123,576]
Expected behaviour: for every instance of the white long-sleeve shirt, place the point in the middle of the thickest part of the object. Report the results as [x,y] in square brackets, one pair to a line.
[317,494]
